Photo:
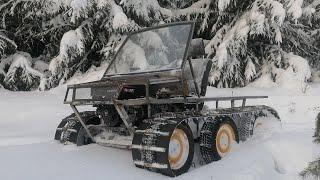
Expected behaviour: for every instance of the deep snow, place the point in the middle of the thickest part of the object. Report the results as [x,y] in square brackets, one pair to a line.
[28,151]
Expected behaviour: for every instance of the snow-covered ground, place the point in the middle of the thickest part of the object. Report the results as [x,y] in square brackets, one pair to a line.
[28,151]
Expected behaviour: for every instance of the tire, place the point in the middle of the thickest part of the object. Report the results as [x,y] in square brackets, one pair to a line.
[180,159]
[216,139]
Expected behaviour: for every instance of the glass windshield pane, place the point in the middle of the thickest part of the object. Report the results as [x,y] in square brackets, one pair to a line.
[152,50]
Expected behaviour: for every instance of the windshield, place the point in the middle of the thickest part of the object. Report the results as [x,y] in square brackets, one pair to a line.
[157,49]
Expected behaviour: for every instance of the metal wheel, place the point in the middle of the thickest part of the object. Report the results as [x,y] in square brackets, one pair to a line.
[178,149]
[224,140]
[216,138]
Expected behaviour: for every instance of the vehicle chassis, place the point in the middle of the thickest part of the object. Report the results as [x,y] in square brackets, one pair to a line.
[119,104]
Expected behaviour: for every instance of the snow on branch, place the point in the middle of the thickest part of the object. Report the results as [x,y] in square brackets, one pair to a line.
[295,9]
[53,6]
[21,75]
[296,75]
[253,22]
[312,171]
[71,48]
[223,4]
[310,10]
[4,38]
[5,42]
[120,22]
[199,7]
[250,70]
[72,39]
[148,10]
[266,20]
[79,8]
[234,42]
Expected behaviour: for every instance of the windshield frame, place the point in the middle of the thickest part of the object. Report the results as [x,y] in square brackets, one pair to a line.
[192,25]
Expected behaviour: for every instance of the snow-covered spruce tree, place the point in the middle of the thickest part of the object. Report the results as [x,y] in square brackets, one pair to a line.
[21,76]
[7,46]
[71,50]
[313,169]
[132,14]
[317,133]
[251,34]
[248,37]
[251,39]
[35,27]
[2,76]
[98,26]
[312,18]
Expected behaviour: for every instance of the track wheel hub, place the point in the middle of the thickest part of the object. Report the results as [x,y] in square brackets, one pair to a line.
[178,149]
[224,140]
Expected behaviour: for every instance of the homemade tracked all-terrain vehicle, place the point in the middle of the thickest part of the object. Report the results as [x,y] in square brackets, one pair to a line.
[151,100]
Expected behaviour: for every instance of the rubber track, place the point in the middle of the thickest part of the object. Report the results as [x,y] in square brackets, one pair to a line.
[67,131]
[246,117]
[206,139]
[153,137]
[248,120]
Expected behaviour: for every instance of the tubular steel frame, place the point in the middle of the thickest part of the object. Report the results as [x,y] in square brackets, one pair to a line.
[119,105]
